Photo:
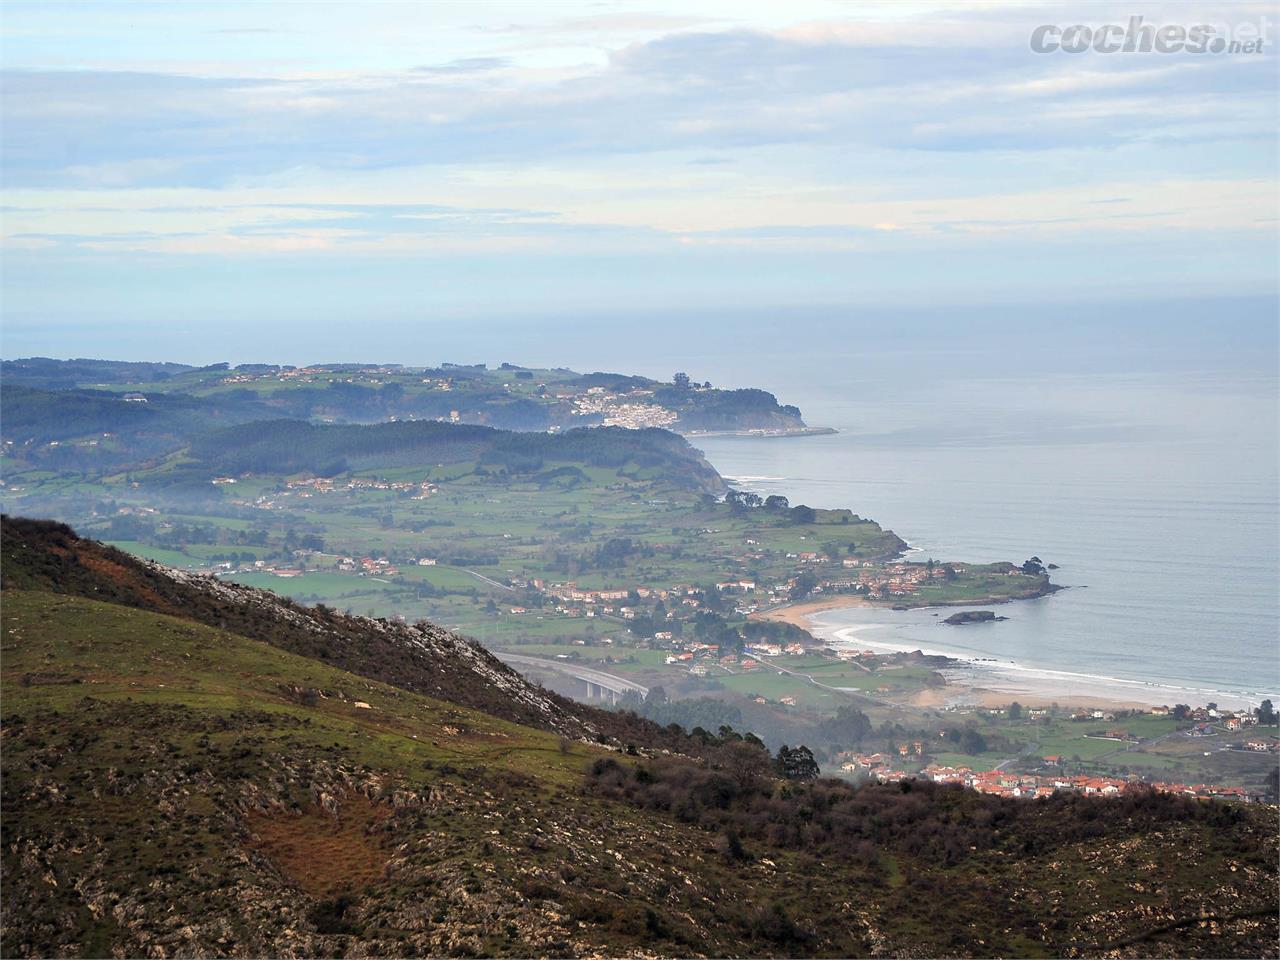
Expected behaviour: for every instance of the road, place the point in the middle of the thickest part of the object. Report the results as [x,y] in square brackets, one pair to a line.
[483,579]
[608,681]
[855,694]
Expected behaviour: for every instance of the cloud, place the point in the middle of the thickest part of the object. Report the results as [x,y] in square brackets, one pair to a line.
[613,23]
[907,136]
[693,91]
[467,65]
[237,228]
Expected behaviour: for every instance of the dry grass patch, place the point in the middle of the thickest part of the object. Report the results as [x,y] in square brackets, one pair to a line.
[322,854]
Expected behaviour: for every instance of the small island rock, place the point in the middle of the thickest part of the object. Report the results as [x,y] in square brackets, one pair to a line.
[973,616]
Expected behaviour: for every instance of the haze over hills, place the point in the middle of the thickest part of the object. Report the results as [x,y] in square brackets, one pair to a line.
[193,768]
[98,432]
[508,396]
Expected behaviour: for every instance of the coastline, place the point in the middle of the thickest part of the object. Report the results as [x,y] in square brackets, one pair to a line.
[987,682]
[797,614]
[762,433]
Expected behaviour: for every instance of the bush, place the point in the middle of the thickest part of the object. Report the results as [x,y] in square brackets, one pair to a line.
[330,916]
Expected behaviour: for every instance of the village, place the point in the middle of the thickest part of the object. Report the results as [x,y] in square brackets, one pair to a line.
[1024,786]
[1044,776]
[308,487]
[633,408]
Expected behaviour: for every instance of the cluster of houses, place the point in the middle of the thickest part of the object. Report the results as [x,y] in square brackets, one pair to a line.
[1230,719]
[701,657]
[360,566]
[367,566]
[574,601]
[1262,745]
[1021,785]
[307,487]
[631,410]
[896,579]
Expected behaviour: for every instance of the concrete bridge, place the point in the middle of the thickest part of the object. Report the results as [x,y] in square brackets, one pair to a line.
[600,685]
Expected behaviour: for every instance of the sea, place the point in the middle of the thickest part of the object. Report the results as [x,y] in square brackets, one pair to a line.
[1155,497]
[1140,458]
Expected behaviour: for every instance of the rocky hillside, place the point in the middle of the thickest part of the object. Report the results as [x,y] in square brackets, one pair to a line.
[175,786]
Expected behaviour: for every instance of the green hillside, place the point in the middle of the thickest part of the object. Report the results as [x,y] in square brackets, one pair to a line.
[173,787]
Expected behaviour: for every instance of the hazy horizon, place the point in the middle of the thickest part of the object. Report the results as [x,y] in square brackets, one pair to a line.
[258,173]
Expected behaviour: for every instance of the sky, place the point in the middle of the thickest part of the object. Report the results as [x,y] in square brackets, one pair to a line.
[255,181]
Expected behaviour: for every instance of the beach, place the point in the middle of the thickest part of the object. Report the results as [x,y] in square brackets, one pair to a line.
[987,681]
[798,614]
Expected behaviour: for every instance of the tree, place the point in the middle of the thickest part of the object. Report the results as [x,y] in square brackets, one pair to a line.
[745,762]
[642,626]
[776,502]
[1033,567]
[681,381]
[972,742]
[391,394]
[1266,713]
[797,764]
[803,586]
[727,733]
[731,848]
[803,514]
[848,727]
[1015,711]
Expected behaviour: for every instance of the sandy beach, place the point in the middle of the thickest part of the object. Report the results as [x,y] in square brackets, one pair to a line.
[797,614]
[989,684]
[959,692]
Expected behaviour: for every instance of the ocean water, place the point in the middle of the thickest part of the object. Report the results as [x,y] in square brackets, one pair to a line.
[1154,492]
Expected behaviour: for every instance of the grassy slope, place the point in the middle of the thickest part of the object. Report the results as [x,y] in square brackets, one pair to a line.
[167,790]
[153,763]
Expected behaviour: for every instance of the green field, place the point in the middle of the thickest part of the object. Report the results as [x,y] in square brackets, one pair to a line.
[170,558]
[502,530]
